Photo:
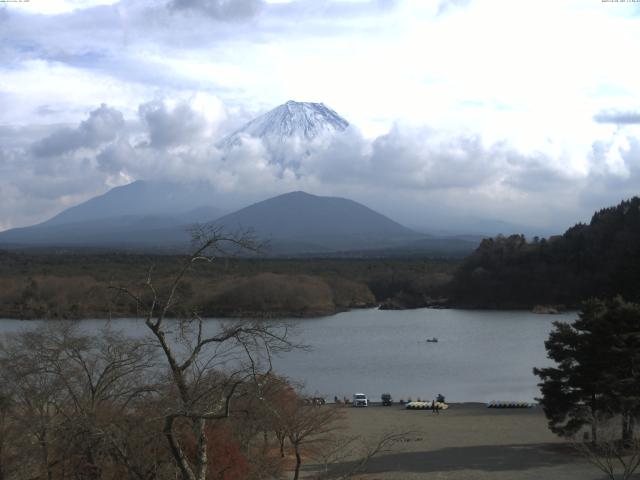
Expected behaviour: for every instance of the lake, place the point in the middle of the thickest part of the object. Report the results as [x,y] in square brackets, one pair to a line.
[480,355]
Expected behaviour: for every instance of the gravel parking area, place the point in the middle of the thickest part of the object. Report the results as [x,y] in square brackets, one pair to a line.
[467,441]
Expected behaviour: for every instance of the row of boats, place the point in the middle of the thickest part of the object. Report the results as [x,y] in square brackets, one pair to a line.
[510,404]
[443,406]
[425,405]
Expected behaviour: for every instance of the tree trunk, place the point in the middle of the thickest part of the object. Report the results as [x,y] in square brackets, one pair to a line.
[44,449]
[1,460]
[201,460]
[93,469]
[594,421]
[627,429]
[298,462]
[178,455]
[281,439]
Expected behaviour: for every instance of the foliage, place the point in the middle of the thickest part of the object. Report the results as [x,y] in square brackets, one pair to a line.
[596,374]
[75,404]
[600,259]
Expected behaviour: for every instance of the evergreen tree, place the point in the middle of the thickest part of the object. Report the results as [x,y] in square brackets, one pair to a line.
[597,372]
[600,259]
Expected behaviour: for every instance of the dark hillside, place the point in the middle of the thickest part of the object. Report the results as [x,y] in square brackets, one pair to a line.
[302,222]
[599,259]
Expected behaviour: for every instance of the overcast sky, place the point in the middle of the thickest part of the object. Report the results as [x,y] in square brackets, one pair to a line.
[522,110]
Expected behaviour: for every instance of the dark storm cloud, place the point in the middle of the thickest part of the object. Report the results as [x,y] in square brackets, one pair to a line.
[618,117]
[533,172]
[220,9]
[169,127]
[116,157]
[103,125]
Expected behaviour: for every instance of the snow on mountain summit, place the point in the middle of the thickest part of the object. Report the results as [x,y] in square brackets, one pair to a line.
[303,121]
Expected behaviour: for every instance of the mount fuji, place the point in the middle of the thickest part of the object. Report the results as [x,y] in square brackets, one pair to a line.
[293,121]
[155,215]
[301,122]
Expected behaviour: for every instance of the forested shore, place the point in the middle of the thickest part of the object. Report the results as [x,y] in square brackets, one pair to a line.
[75,286]
[599,259]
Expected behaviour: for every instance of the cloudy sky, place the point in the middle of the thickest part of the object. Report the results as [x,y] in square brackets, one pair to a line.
[516,110]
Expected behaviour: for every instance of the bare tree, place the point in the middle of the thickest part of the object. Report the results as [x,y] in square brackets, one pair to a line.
[8,435]
[73,394]
[34,395]
[107,406]
[617,458]
[274,397]
[205,368]
[310,426]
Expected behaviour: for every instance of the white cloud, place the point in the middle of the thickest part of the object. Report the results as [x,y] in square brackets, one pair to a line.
[418,175]
[57,7]
[524,103]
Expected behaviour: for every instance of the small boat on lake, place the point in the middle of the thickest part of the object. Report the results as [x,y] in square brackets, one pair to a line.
[432,340]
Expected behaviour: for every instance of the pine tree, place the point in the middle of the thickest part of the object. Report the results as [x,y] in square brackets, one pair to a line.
[597,372]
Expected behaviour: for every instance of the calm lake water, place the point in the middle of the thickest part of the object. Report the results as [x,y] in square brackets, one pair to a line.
[480,355]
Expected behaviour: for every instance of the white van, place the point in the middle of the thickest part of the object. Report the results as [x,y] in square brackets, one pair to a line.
[360,400]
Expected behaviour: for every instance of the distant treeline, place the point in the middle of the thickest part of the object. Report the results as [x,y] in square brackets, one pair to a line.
[67,285]
[601,259]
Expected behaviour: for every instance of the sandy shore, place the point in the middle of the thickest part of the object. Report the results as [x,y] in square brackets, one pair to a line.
[467,441]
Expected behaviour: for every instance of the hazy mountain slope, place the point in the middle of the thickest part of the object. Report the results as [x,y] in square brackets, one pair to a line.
[319,223]
[141,198]
[124,216]
[296,223]
[127,231]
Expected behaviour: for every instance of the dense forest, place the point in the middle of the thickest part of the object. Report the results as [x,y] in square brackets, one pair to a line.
[601,259]
[77,285]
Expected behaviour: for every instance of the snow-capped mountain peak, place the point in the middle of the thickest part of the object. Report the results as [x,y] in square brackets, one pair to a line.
[292,120]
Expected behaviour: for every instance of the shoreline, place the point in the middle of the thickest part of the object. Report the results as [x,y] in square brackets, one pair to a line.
[285,315]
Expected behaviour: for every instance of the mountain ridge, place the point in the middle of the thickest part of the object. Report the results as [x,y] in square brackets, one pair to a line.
[329,223]
[294,223]
[140,197]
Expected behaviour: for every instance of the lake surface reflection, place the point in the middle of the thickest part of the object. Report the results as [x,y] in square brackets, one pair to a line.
[480,355]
